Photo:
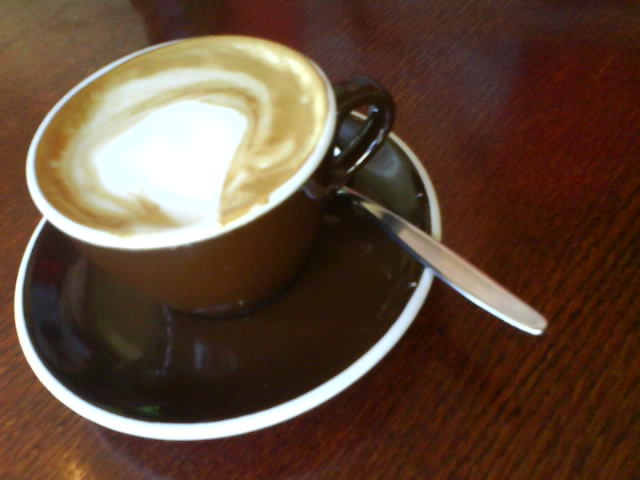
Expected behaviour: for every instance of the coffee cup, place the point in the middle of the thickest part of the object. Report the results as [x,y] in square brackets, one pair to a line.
[197,171]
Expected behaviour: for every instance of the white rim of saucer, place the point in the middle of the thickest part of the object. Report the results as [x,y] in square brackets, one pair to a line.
[245,423]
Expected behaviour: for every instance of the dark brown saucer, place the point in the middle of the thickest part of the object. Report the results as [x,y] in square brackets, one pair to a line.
[133,365]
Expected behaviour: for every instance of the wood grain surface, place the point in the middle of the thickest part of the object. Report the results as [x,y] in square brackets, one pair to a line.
[526,114]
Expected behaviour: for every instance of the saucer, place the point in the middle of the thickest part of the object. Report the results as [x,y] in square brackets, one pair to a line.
[131,365]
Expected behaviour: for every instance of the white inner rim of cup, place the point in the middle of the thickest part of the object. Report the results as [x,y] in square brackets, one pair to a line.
[245,423]
[183,235]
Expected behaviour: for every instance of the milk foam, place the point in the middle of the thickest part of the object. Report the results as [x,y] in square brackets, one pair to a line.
[198,134]
[177,157]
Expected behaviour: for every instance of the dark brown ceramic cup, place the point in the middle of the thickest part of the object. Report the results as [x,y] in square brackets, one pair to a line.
[236,269]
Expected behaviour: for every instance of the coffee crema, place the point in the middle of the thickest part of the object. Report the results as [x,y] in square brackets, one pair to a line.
[198,131]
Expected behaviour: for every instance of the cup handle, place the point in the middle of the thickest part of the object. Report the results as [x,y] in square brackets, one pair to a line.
[340,164]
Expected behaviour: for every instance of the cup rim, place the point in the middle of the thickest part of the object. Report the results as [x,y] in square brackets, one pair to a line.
[192,233]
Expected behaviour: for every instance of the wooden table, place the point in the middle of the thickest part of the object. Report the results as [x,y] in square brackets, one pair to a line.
[526,114]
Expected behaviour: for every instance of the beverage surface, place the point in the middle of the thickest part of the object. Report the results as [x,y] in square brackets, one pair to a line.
[198,131]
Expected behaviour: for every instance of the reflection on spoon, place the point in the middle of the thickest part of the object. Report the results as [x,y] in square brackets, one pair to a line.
[451,268]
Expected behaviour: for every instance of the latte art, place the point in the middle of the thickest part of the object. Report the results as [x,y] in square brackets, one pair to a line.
[176,157]
[200,131]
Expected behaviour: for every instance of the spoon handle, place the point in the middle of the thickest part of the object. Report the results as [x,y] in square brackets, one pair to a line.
[452,269]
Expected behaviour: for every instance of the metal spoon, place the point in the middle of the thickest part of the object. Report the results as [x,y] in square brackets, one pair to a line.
[451,268]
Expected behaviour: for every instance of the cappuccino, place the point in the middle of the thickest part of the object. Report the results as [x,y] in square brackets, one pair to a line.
[201,134]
